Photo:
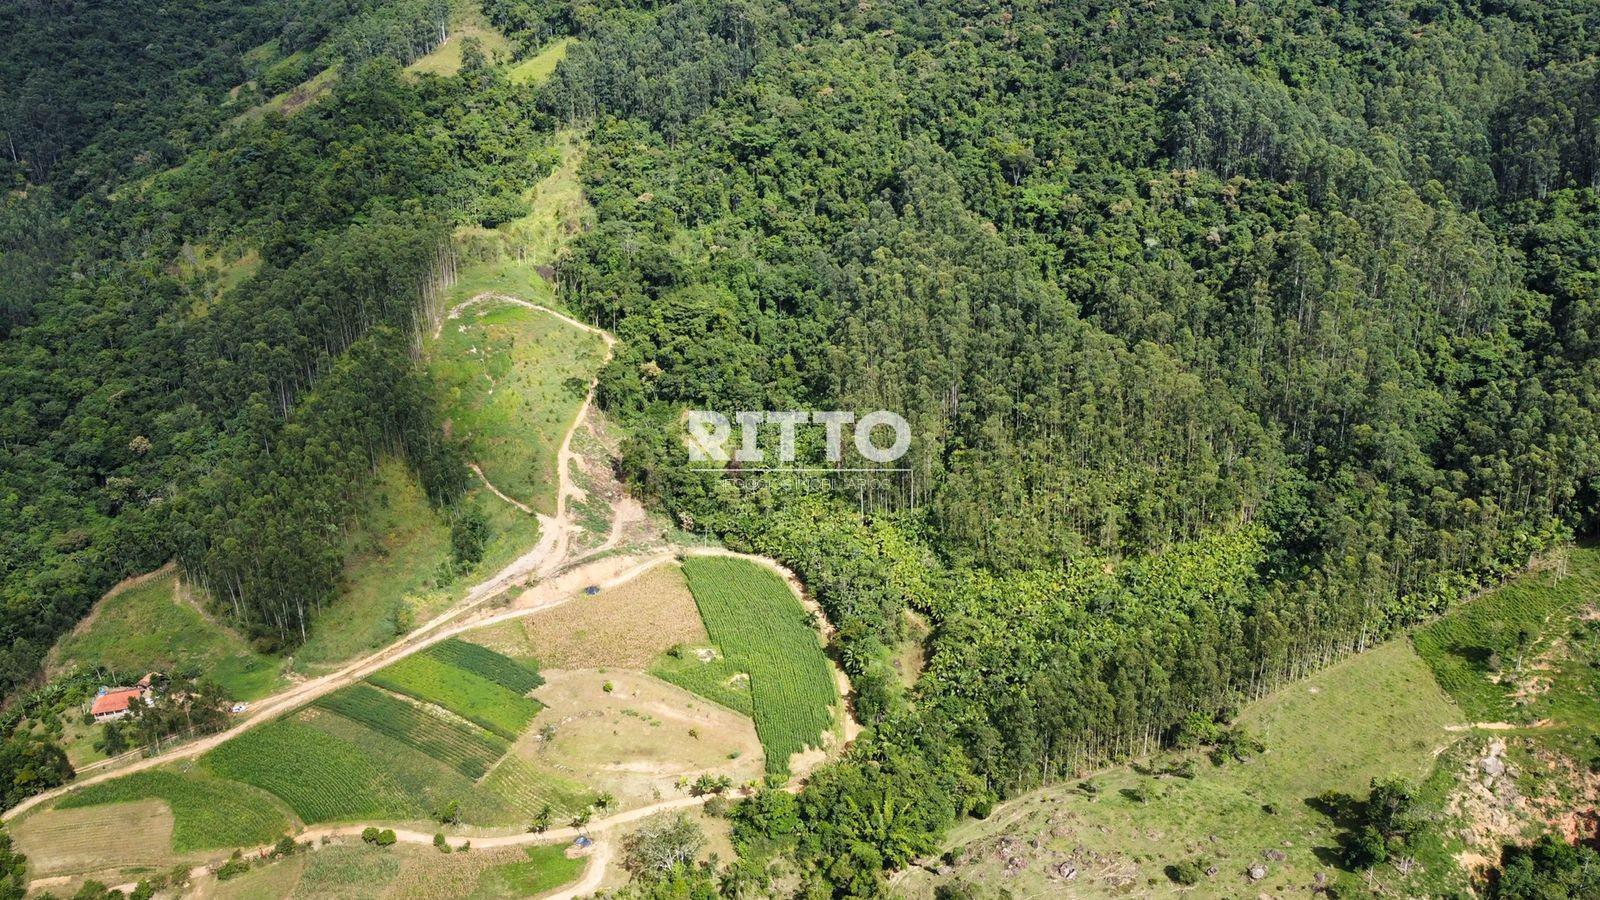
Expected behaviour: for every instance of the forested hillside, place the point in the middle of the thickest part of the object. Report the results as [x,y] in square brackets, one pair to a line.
[210,320]
[1233,336]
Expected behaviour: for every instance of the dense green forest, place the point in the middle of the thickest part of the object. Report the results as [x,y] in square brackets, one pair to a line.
[149,414]
[1233,336]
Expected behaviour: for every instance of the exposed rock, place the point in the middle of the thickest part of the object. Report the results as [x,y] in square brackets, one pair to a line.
[1275,855]
[1257,871]
[1492,766]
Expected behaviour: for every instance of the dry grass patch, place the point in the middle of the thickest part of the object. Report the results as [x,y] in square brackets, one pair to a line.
[641,737]
[96,839]
[627,626]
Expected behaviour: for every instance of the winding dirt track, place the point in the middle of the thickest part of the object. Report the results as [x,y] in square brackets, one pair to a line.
[545,558]
[555,580]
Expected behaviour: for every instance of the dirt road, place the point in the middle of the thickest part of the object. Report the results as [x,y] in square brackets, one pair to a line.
[555,580]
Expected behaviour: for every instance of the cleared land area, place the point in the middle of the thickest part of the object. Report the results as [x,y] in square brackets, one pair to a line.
[640,738]
[394,557]
[626,626]
[1500,655]
[510,380]
[69,841]
[1376,714]
[1524,664]
[538,67]
[158,626]
[762,630]
[468,25]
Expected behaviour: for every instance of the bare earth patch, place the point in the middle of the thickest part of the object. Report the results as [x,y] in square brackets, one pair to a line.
[643,736]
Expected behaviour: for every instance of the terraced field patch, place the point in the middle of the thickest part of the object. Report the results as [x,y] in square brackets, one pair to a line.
[526,786]
[487,703]
[496,667]
[90,839]
[462,747]
[319,776]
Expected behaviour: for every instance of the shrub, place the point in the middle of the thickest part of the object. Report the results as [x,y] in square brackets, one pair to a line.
[1188,872]
[236,865]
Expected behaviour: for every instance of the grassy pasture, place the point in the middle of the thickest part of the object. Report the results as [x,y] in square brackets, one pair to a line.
[158,626]
[468,750]
[207,813]
[761,629]
[469,24]
[536,68]
[319,776]
[510,380]
[485,703]
[1375,714]
[1482,651]
[546,868]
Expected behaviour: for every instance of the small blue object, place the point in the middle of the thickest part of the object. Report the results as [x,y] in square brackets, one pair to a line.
[582,841]
[592,589]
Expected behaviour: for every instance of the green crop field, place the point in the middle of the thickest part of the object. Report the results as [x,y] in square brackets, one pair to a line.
[427,782]
[501,669]
[477,699]
[761,629]
[207,814]
[468,750]
[320,777]
[545,868]
[156,626]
